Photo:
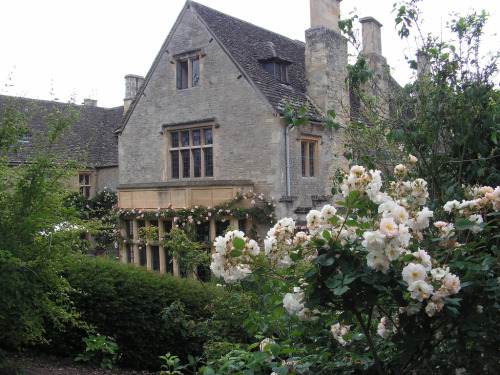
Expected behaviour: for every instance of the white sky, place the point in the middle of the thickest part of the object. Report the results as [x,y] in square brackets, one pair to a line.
[59,49]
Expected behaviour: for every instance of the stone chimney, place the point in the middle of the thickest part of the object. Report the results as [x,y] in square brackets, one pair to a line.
[372,37]
[325,13]
[132,84]
[326,57]
[90,102]
[423,65]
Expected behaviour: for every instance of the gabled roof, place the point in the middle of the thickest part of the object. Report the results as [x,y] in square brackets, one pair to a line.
[248,46]
[93,135]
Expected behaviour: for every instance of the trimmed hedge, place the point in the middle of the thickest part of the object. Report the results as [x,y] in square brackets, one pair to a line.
[125,302]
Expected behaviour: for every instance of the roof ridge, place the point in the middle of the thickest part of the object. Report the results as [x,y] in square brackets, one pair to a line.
[241,20]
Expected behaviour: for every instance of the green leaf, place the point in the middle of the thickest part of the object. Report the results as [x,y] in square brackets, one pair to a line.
[340,290]
[463,224]
[334,282]
[350,278]
[239,243]
[235,253]
[275,349]
[208,371]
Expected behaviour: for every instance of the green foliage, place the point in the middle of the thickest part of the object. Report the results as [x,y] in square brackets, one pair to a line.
[126,302]
[36,231]
[448,116]
[100,350]
[100,219]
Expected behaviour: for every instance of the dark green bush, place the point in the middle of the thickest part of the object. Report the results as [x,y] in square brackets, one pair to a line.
[125,302]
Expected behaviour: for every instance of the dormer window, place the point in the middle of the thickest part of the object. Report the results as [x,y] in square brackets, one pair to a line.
[278,69]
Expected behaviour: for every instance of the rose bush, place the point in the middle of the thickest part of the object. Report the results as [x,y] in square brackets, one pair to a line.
[371,285]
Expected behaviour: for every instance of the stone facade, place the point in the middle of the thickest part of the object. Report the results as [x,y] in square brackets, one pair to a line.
[213,73]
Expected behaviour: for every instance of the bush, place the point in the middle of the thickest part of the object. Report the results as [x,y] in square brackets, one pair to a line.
[125,302]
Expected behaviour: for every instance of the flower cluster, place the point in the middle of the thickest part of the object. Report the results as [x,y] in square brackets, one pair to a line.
[338,331]
[294,304]
[225,263]
[259,209]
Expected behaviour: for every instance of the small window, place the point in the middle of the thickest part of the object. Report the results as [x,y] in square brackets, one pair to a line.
[309,157]
[84,182]
[188,72]
[278,69]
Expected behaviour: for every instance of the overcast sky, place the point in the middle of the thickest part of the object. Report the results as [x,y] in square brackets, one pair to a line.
[59,49]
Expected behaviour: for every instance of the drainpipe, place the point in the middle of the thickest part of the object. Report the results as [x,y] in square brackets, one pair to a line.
[287,161]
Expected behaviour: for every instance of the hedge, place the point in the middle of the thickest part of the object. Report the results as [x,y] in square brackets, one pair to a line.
[125,302]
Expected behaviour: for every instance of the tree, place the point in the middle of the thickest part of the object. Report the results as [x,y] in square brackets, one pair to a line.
[447,116]
[35,226]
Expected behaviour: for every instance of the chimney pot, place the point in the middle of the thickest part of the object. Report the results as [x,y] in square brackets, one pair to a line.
[90,102]
[325,13]
[372,38]
[132,84]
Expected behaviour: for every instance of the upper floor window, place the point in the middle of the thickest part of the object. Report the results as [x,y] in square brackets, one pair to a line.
[84,182]
[191,153]
[278,69]
[188,71]
[309,157]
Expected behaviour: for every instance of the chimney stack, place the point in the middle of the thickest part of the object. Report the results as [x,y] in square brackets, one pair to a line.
[372,38]
[90,102]
[325,13]
[132,84]
[326,57]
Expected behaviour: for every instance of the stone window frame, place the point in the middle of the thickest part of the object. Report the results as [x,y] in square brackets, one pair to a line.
[134,251]
[85,183]
[309,156]
[194,160]
[187,70]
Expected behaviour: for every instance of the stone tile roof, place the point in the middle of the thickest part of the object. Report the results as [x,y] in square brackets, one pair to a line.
[93,135]
[248,45]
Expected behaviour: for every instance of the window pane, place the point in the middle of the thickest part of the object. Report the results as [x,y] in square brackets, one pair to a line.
[175,139]
[155,258]
[209,162]
[129,229]
[221,227]
[197,162]
[174,158]
[208,136]
[182,74]
[278,72]
[196,72]
[169,265]
[202,232]
[185,139]
[129,249]
[186,167]
[311,159]
[167,226]
[303,147]
[143,258]
[196,137]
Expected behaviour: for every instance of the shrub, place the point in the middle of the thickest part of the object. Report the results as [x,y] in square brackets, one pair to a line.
[126,302]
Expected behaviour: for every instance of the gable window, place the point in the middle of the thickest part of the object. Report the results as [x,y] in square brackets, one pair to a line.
[188,71]
[309,157]
[84,182]
[191,153]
